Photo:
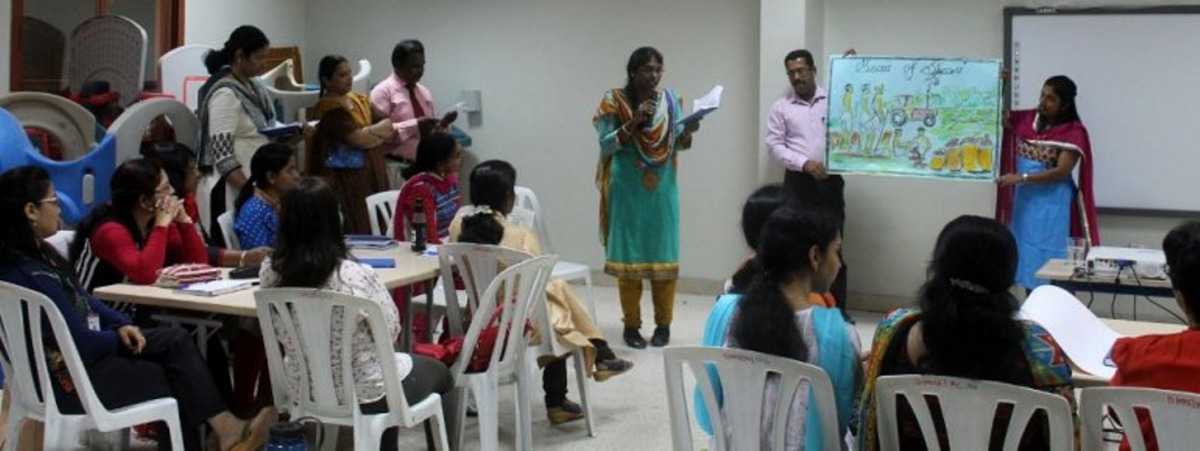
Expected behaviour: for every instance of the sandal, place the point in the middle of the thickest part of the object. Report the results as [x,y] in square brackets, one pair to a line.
[254,431]
[569,411]
[612,367]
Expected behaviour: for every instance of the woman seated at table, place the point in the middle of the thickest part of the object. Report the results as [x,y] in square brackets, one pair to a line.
[344,147]
[126,365]
[798,255]
[965,327]
[179,162]
[311,253]
[272,173]
[493,196]
[1168,362]
[142,230]
[433,178]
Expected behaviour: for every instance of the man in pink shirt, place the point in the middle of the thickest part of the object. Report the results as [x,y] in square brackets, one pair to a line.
[796,139]
[408,103]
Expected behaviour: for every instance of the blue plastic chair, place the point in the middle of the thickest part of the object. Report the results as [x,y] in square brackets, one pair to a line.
[80,184]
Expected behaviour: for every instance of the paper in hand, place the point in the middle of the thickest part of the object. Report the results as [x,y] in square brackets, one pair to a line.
[704,105]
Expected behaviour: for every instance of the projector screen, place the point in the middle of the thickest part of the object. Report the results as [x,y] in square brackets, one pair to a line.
[1138,73]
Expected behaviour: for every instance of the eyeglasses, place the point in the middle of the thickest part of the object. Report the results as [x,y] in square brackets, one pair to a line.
[49,200]
[651,70]
[168,190]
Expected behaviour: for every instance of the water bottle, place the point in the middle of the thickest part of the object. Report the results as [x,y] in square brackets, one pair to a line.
[419,226]
[287,436]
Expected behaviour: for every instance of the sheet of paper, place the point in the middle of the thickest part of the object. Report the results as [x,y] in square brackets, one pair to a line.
[456,107]
[218,287]
[1085,339]
[704,105]
[709,101]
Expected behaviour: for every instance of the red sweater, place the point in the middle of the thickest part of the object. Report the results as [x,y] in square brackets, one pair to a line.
[1168,362]
[178,243]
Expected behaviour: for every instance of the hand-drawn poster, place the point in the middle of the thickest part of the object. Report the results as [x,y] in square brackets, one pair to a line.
[919,117]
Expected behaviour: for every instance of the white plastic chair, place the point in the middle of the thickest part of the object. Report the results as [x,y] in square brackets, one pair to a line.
[61,241]
[131,125]
[294,99]
[383,204]
[181,73]
[563,269]
[1175,416]
[21,315]
[478,266]
[225,222]
[109,48]
[743,374]
[68,122]
[551,345]
[306,315]
[361,83]
[969,408]
[518,287]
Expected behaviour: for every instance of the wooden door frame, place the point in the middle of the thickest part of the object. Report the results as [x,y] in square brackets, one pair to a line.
[167,12]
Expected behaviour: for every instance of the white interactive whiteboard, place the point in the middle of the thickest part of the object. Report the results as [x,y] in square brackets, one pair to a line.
[1138,73]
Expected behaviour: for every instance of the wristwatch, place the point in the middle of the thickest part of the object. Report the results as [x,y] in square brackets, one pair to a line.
[1024,178]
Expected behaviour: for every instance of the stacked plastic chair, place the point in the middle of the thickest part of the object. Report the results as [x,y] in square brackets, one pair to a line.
[82,180]
[112,49]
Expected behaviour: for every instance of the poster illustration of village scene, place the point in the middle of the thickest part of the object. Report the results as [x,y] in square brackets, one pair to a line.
[918,117]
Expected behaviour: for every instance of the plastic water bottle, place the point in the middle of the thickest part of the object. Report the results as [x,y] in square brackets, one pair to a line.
[419,226]
[287,436]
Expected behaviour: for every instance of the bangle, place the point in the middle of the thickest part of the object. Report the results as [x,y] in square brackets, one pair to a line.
[1024,178]
[242,259]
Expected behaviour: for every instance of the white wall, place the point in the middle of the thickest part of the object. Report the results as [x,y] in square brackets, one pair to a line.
[209,22]
[542,66]
[893,222]
[780,31]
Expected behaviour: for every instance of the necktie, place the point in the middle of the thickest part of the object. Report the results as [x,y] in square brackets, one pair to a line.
[418,110]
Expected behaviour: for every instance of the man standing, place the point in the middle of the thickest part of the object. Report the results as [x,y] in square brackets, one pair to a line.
[402,98]
[796,139]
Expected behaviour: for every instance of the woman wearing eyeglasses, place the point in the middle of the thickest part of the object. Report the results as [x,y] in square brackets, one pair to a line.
[639,201]
[126,364]
[143,230]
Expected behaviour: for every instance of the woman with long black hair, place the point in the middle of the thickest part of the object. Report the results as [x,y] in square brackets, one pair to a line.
[126,364]
[311,253]
[798,255]
[965,326]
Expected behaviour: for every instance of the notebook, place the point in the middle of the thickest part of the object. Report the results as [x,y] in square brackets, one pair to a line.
[218,287]
[369,242]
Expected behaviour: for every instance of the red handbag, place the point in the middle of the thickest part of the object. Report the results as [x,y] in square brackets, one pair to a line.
[448,350]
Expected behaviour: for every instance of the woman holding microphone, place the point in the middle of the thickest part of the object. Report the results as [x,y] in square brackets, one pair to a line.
[639,136]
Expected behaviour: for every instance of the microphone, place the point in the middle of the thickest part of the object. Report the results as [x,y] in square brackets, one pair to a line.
[649,122]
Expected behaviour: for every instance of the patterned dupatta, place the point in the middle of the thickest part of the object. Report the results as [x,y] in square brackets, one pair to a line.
[1048,368]
[655,144]
[255,102]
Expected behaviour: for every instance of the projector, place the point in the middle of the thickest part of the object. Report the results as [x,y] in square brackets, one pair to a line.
[1147,263]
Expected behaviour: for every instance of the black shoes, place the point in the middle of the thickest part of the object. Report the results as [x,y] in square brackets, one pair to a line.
[662,336]
[633,338]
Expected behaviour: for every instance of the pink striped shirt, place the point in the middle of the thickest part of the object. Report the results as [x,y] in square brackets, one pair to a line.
[391,97]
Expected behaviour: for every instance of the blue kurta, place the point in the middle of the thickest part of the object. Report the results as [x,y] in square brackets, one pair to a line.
[1041,221]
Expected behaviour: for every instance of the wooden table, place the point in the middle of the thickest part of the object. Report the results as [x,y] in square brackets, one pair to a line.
[410,269]
[1063,274]
[1123,328]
